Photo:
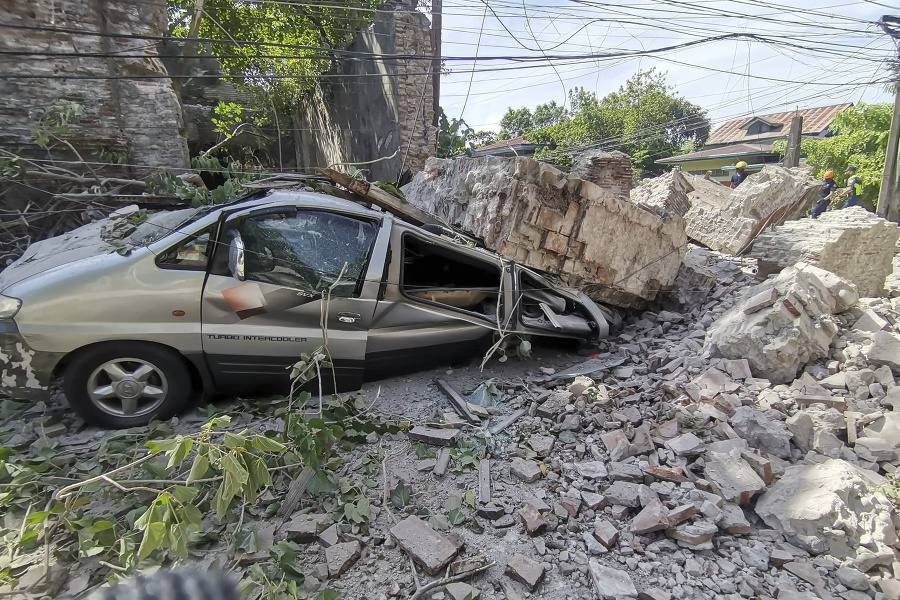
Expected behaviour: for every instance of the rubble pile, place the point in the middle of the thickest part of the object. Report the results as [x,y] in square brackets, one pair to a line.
[729,220]
[589,234]
[783,323]
[852,243]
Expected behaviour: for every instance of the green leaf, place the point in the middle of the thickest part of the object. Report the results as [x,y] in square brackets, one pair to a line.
[178,540]
[439,522]
[180,452]
[328,594]
[453,503]
[191,515]
[221,501]
[456,517]
[234,441]
[469,498]
[185,494]
[267,444]
[155,536]
[198,469]
[157,446]
[400,496]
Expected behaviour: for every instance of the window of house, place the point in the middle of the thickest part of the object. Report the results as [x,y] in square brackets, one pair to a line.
[308,250]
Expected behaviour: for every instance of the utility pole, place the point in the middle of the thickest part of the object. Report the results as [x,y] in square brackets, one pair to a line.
[792,154]
[889,196]
[437,9]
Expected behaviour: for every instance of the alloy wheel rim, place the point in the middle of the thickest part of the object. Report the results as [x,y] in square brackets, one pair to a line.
[127,387]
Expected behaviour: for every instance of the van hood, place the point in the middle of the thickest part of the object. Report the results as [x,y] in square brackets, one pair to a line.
[113,234]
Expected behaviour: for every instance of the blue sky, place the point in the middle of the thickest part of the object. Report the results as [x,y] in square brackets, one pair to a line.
[815,53]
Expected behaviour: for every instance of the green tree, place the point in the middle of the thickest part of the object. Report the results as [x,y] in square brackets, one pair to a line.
[548,114]
[645,119]
[859,139]
[281,71]
[516,122]
[456,138]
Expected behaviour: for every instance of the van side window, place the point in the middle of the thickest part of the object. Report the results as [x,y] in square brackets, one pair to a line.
[307,251]
[193,253]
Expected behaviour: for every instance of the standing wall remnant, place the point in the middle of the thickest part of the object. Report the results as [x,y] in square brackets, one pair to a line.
[139,119]
[590,235]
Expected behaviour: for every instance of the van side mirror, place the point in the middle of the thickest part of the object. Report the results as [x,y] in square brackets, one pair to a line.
[236,255]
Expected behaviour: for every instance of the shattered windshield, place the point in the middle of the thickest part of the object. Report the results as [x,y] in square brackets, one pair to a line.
[157,226]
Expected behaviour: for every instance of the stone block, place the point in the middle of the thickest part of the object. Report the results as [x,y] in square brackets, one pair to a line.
[611,584]
[425,545]
[525,570]
[732,478]
[852,243]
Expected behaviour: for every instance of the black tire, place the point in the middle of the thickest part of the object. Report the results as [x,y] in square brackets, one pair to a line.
[171,376]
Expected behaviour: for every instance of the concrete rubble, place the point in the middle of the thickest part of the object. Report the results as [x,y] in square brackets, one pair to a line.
[728,220]
[740,444]
[852,243]
[590,234]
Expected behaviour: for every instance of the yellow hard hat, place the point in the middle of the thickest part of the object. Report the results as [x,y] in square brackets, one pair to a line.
[740,165]
[829,174]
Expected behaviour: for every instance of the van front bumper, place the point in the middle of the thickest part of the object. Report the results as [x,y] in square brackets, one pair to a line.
[25,374]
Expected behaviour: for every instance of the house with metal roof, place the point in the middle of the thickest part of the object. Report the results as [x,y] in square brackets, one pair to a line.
[750,139]
[513,147]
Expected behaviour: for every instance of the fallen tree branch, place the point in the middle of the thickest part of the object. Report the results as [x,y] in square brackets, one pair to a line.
[442,582]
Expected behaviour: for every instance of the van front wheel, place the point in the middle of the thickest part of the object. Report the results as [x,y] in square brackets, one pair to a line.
[124,385]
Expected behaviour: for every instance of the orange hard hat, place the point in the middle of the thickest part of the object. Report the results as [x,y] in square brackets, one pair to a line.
[829,174]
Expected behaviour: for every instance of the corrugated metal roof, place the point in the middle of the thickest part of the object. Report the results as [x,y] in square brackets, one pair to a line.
[732,150]
[519,141]
[815,121]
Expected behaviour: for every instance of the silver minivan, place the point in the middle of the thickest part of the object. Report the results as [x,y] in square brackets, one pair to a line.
[135,317]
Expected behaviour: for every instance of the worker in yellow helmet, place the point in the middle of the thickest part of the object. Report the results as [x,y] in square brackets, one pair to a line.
[828,189]
[739,174]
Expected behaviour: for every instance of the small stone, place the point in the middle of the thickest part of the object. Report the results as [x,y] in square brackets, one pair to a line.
[853,579]
[526,470]
[871,322]
[619,471]
[732,478]
[654,594]
[542,444]
[807,572]
[594,547]
[304,529]
[425,545]
[738,369]
[756,557]
[591,470]
[779,557]
[434,436]
[532,519]
[593,501]
[426,464]
[341,557]
[524,570]
[686,444]
[665,474]
[571,504]
[693,568]
[504,522]
[606,533]
[694,534]
[654,517]
[330,536]
[462,591]
[622,493]
[491,511]
[612,584]
[733,520]
[682,513]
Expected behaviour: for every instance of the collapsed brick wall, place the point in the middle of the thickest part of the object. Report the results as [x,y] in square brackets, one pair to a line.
[530,212]
[611,170]
[139,118]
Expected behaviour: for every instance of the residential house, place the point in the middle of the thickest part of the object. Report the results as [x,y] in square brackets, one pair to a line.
[751,140]
[513,147]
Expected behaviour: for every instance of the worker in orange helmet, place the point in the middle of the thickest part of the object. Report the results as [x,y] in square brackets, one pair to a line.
[825,196]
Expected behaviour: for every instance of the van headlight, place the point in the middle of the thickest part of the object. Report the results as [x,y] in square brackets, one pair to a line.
[9,307]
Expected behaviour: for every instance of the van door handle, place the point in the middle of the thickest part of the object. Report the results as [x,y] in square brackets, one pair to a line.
[346,317]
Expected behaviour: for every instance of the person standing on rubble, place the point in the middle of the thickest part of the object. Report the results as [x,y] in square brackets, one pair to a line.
[739,175]
[828,189]
[854,189]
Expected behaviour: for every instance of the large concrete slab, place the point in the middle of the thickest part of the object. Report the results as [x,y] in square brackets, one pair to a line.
[852,243]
